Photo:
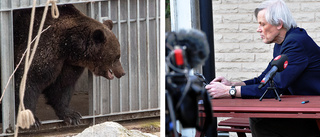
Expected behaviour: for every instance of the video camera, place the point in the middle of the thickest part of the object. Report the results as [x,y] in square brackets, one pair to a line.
[185,50]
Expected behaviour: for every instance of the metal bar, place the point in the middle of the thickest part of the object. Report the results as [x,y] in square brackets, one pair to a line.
[99,12]
[110,89]
[158,45]
[155,112]
[42,4]
[148,53]
[119,38]
[7,67]
[132,20]
[95,78]
[109,9]
[138,47]
[100,80]
[30,3]
[99,96]
[20,3]
[129,52]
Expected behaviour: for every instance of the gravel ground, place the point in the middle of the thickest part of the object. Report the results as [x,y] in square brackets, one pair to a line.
[112,129]
[134,128]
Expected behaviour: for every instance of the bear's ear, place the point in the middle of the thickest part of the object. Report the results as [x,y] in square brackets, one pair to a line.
[108,23]
[98,36]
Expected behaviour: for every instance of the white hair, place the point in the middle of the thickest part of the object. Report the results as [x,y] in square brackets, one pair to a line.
[277,12]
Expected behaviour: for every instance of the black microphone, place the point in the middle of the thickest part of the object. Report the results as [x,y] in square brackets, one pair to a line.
[196,47]
[278,64]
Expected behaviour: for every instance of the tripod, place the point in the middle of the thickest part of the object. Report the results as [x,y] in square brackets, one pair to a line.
[272,87]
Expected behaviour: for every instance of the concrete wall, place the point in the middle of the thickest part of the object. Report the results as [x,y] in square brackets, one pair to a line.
[240,53]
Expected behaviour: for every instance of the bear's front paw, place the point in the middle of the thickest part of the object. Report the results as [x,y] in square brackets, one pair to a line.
[71,117]
[36,125]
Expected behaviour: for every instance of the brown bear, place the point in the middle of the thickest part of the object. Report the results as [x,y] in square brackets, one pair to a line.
[72,43]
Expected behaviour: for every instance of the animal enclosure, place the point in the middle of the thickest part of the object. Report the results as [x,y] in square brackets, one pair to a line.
[136,23]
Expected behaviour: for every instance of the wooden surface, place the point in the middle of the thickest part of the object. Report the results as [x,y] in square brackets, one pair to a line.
[290,106]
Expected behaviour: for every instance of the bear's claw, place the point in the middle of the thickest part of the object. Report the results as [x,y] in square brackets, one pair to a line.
[37,123]
[71,117]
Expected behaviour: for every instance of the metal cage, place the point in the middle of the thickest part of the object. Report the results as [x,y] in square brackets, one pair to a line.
[137,27]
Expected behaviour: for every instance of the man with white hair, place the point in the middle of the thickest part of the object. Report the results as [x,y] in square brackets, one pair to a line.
[301,76]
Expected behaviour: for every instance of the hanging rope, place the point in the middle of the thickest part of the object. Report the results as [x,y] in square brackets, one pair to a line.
[14,71]
[25,117]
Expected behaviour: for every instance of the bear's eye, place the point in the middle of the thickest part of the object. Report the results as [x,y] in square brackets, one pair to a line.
[117,57]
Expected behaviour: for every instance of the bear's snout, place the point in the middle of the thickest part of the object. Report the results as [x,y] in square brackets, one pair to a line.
[120,74]
[117,69]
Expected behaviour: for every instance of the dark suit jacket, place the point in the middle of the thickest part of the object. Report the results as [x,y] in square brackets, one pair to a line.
[302,75]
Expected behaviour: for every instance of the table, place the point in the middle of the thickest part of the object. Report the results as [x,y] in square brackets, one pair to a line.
[290,106]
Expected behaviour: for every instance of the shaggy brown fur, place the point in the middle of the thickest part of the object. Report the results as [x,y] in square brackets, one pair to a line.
[72,43]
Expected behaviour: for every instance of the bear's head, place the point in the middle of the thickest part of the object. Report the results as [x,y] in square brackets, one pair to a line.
[99,51]
[108,61]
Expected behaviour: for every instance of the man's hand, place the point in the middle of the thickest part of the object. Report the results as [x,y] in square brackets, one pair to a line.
[222,80]
[218,90]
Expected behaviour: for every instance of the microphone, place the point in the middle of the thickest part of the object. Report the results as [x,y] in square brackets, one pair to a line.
[194,45]
[278,64]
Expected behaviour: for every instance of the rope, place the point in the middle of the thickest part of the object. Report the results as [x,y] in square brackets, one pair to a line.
[54,9]
[23,55]
[25,117]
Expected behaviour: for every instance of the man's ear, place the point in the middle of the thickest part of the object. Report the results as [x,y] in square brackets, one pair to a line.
[280,26]
[108,23]
[98,36]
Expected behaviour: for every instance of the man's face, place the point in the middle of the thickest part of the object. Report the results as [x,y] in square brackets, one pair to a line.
[268,32]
